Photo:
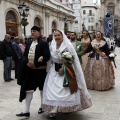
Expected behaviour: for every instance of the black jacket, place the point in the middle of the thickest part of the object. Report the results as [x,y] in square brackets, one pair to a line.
[7,49]
[28,75]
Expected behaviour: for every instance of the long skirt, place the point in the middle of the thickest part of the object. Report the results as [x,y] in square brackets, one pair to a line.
[84,61]
[57,98]
[99,74]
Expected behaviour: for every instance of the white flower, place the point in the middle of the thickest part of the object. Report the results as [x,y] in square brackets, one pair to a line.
[64,54]
[112,55]
[68,56]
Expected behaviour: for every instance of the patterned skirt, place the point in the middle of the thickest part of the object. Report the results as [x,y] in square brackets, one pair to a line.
[99,74]
[84,61]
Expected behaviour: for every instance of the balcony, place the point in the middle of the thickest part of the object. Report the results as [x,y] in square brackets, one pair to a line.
[91,14]
[38,1]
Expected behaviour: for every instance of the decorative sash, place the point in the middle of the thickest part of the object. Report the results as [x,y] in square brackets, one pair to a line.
[70,78]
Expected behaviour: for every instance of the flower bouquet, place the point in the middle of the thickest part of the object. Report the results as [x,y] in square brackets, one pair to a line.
[67,57]
[112,58]
[69,74]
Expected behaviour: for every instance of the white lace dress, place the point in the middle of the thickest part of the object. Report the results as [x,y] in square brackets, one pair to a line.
[57,98]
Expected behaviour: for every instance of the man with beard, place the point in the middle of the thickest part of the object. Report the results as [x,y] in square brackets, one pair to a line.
[77,45]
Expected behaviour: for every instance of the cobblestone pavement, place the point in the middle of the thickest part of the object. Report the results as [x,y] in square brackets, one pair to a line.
[106,105]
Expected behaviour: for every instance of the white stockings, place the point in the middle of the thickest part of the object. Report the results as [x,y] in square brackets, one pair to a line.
[29,96]
[41,96]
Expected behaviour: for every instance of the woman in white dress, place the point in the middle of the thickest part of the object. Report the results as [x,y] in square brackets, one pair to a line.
[57,98]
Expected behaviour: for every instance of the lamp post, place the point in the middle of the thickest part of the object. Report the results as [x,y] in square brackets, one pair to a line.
[65,25]
[24,12]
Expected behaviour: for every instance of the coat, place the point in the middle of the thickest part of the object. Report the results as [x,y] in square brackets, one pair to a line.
[79,50]
[30,79]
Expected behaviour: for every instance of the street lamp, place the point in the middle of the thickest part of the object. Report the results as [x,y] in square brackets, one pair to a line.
[24,12]
[65,25]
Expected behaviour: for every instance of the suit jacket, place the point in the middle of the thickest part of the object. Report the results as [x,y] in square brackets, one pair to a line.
[42,49]
[28,76]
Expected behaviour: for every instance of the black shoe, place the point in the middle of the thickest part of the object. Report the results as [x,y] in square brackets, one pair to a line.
[11,79]
[40,111]
[7,80]
[23,115]
[52,117]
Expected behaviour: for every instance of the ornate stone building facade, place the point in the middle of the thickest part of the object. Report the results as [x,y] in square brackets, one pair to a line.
[87,14]
[111,7]
[48,14]
[90,13]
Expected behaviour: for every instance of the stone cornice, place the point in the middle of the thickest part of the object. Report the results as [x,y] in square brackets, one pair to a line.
[55,6]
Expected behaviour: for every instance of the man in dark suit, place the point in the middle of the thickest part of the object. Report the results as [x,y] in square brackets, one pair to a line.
[33,72]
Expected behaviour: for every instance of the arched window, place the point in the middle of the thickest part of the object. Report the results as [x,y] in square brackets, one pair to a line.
[54,26]
[11,23]
[110,8]
[11,17]
[37,22]
[84,12]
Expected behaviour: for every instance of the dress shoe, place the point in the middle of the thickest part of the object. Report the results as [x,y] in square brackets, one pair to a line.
[40,111]
[11,79]
[23,115]
[51,116]
[7,80]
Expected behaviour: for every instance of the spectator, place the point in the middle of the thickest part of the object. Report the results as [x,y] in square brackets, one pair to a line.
[18,56]
[22,45]
[49,39]
[7,56]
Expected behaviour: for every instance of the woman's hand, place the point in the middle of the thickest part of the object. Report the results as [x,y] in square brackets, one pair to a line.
[103,54]
[61,72]
[40,59]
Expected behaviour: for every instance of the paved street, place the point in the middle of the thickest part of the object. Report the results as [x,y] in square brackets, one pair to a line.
[106,105]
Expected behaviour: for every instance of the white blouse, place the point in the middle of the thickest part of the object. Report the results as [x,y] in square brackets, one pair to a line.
[31,54]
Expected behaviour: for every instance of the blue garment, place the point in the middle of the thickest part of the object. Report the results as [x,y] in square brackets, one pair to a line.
[17,50]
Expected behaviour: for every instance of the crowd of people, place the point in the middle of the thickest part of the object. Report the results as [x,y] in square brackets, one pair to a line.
[63,82]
